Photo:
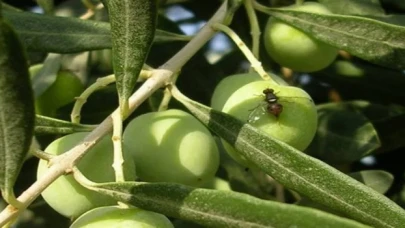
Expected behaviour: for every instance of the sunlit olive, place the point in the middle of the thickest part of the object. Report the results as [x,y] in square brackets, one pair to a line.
[295,125]
[295,49]
[172,146]
[227,86]
[116,217]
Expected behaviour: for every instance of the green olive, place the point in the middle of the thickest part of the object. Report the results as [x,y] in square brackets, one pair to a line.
[66,195]
[227,86]
[172,146]
[295,49]
[218,184]
[295,125]
[117,217]
[63,91]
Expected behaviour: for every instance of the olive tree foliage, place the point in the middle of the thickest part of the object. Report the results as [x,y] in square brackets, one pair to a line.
[130,58]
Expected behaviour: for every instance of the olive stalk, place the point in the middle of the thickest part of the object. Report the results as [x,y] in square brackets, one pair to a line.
[99,84]
[255,63]
[42,154]
[167,95]
[82,99]
[254,27]
[159,78]
[118,161]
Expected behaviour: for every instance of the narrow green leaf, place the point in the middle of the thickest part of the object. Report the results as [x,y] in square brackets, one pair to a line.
[298,171]
[216,208]
[16,109]
[344,134]
[354,7]
[378,180]
[389,121]
[243,180]
[67,34]
[133,25]
[372,40]
[47,125]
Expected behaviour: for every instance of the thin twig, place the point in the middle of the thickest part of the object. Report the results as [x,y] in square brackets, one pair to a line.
[82,99]
[90,12]
[255,64]
[167,96]
[117,142]
[42,155]
[254,27]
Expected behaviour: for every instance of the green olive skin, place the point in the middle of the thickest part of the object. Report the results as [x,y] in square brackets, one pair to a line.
[295,49]
[218,184]
[63,91]
[296,125]
[66,195]
[227,86]
[116,217]
[172,146]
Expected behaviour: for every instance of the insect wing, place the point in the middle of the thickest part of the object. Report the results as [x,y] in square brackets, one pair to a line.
[257,112]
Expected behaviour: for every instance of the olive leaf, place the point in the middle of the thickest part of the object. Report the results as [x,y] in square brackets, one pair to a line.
[344,134]
[215,208]
[47,125]
[378,180]
[298,171]
[368,128]
[16,109]
[354,7]
[133,25]
[68,35]
[372,40]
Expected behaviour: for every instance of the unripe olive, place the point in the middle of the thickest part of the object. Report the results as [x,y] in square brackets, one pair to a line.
[295,49]
[227,86]
[295,125]
[63,91]
[117,217]
[172,146]
[218,184]
[66,195]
